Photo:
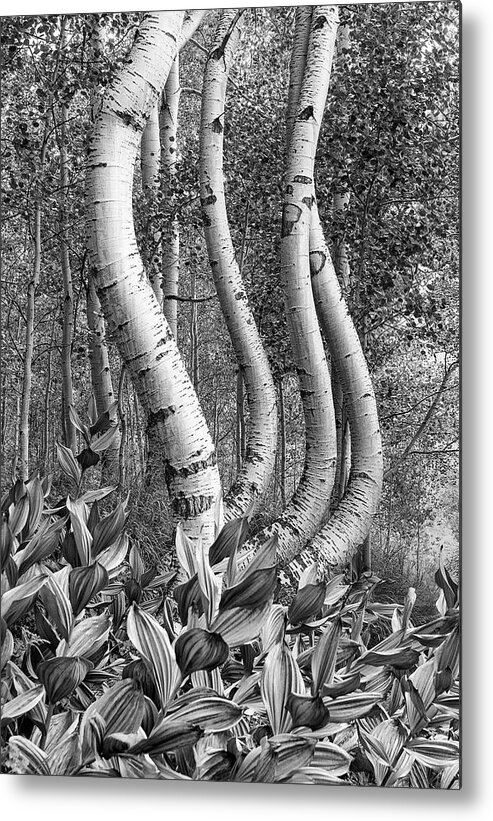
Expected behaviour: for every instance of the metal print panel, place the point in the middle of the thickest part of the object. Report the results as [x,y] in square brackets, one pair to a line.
[230,395]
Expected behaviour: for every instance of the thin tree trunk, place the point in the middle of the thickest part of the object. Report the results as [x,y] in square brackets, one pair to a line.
[282,463]
[171,231]
[257,467]
[194,335]
[142,334]
[69,431]
[101,378]
[23,461]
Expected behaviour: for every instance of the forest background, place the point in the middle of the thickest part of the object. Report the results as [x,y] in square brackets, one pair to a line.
[387,189]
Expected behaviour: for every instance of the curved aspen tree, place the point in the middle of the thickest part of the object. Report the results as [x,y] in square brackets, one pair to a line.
[350,523]
[258,464]
[135,319]
[304,514]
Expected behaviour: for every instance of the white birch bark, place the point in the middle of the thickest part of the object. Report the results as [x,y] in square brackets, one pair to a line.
[304,514]
[253,478]
[170,271]
[135,319]
[350,523]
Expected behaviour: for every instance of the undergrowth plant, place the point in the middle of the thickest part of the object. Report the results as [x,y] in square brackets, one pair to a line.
[112,668]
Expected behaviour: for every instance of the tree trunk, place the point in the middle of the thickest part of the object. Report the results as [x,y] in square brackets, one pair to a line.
[171,231]
[101,379]
[69,431]
[256,471]
[23,460]
[141,332]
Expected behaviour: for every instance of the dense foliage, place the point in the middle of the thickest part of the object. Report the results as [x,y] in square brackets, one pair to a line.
[112,668]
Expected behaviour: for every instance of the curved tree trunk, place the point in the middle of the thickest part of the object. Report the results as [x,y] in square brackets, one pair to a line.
[135,319]
[349,525]
[258,464]
[304,514]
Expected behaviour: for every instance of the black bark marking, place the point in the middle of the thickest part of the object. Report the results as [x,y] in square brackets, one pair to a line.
[303,179]
[308,201]
[191,469]
[306,114]
[206,219]
[289,189]
[217,126]
[209,200]
[290,216]
[185,507]
[320,22]
[130,119]
[317,262]
[159,417]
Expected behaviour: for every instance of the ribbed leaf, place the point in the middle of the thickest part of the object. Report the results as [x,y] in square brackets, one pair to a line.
[252,591]
[152,642]
[168,736]
[85,583]
[402,658]
[211,713]
[26,758]
[119,710]
[86,637]
[307,603]
[108,529]
[282,756]
[307,711]
[230,539]
[276,685]
[21,704]
[209,583]
[19,515]
[40,546]
[350,707]
[60,676]
[325,656]
[331,758]
[68,463]
[83,538]
[17,601]
[273,629]
[185,551]
[198,649]
[239,625]
[57,605]
[434,753]
[113,557]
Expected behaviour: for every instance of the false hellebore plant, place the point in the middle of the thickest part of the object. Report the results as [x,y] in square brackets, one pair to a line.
[107,672]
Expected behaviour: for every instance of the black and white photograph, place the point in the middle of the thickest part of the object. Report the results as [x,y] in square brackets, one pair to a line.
[230,380]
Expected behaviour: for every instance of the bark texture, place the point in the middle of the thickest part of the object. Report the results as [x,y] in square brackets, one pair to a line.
[258,463]
[304,514]
[135,319]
